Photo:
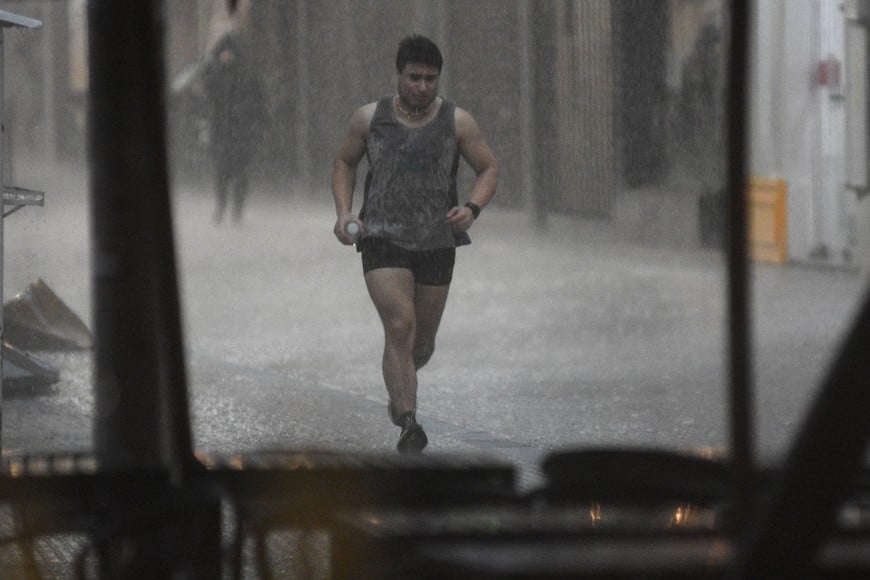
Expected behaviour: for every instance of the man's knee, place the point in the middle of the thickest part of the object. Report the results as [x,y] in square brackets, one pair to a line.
[400,331]
[422,354]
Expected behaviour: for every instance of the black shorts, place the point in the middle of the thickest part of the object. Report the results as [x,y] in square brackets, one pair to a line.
[430,267]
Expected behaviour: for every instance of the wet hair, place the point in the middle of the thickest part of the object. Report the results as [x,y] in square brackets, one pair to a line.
[418,49]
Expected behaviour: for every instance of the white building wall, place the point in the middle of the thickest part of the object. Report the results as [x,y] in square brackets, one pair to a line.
[799,125]
[856,91]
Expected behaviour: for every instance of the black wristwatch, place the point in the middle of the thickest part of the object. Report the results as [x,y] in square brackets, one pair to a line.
[475,209]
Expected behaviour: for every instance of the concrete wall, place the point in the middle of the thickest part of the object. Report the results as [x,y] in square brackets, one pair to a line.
[798,123]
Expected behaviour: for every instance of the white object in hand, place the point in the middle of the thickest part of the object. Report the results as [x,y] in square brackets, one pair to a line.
[352,231]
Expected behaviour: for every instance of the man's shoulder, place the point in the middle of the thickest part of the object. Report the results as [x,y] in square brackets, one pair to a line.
[463,119]
[365,113]
[362,118]
[369,108]
[459,111]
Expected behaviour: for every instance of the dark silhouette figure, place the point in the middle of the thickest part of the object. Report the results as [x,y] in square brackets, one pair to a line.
[237,114]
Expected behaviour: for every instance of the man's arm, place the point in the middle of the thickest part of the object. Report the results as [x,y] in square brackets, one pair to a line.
[344,167]
[479,156]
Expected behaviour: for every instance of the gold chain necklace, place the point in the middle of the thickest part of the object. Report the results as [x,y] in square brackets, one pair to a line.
[397,105]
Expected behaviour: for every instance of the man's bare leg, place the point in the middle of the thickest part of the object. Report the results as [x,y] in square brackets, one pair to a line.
[429,302]
[392,292]
[410,314]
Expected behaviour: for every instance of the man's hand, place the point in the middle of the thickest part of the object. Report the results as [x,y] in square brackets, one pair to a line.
[460,218]
[340,229]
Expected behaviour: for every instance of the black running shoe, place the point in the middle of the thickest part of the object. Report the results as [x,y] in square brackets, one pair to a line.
[413,439]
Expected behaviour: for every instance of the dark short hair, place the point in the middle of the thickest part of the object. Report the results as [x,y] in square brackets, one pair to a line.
[418,49]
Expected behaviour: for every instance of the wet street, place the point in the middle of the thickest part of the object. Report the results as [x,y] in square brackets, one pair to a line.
[565,338]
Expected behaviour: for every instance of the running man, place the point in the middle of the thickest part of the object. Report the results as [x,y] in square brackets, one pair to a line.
[411,219]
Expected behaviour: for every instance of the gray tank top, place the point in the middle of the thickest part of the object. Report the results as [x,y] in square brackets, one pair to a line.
[411,182]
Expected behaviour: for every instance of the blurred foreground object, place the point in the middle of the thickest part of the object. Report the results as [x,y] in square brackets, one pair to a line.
[36,319]
[25,370]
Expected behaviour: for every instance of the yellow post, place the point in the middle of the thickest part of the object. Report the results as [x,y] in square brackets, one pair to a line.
[768,223]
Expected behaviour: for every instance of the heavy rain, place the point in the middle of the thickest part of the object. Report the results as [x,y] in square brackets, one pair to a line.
[591,308]
[598,318]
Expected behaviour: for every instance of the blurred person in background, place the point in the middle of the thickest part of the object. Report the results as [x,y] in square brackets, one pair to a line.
[237,117]
[411,218]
